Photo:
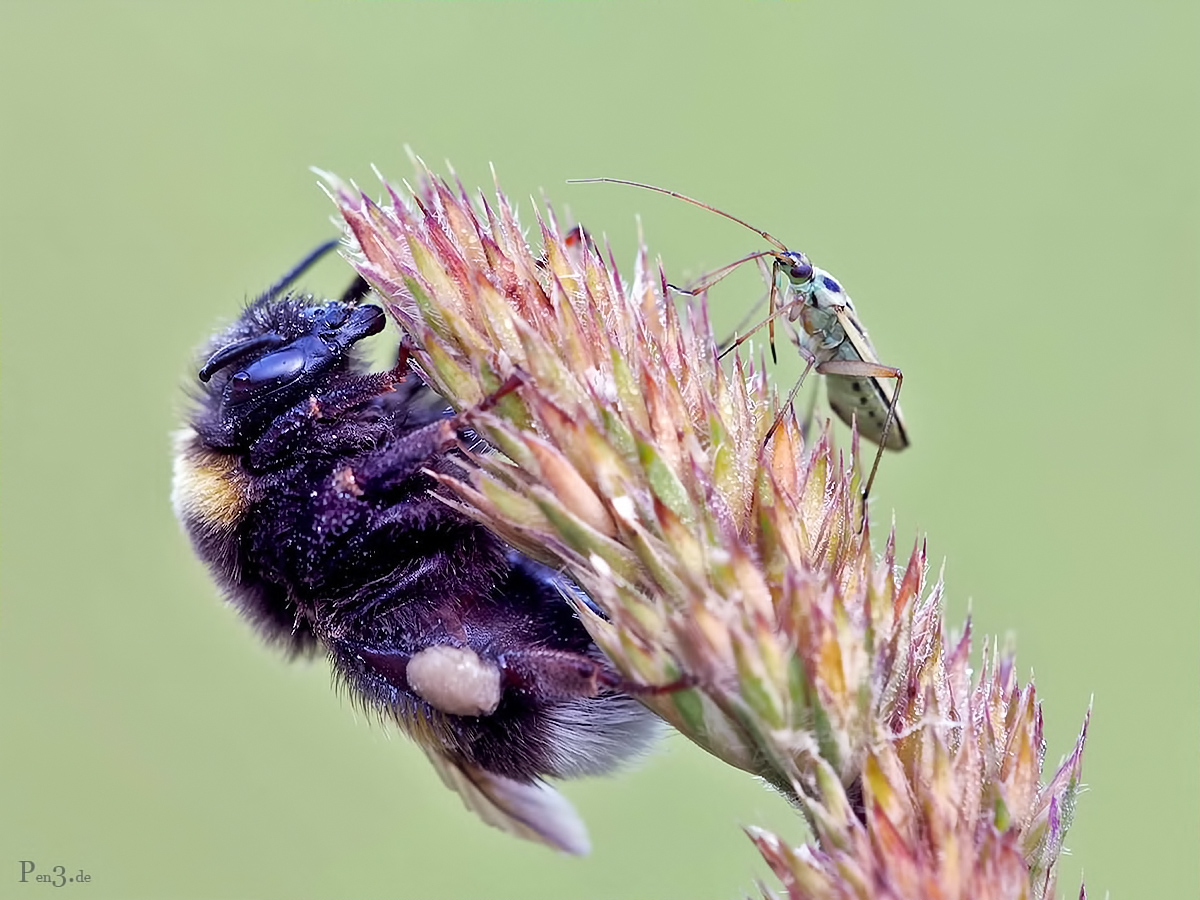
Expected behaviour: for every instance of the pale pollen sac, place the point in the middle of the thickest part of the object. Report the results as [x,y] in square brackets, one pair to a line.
[455,680]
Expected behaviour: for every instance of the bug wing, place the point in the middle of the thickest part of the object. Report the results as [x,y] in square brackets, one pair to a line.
[864,402]
[862,398]
[531,810]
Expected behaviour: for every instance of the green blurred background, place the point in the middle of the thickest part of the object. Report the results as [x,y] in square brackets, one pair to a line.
[1009,193]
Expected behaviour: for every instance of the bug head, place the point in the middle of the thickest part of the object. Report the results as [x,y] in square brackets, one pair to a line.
[796,268]
[819,301]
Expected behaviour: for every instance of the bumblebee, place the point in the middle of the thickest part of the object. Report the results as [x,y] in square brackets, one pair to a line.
[300,478]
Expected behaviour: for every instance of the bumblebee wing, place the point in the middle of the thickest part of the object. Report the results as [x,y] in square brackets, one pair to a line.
[533,811]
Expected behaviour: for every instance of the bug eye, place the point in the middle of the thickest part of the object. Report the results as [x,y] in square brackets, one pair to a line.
[798,268]
[830,284]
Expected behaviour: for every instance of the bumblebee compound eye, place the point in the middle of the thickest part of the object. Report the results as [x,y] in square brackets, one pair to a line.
[236,352]
[277,370]
[336,329]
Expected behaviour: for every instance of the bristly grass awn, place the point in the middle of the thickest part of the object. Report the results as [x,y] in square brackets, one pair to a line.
[862,390]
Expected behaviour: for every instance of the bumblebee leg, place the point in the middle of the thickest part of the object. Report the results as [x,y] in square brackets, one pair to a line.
[300,418]
[563,675]
[553,674]
[404,457]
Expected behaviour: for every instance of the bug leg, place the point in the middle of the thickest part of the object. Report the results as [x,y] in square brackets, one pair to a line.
[772,309]
[407,455]
[777,309]
[858,368]
[809,415]
[403,354]
[718,275]
[737,329]
[552,674]
[783,410]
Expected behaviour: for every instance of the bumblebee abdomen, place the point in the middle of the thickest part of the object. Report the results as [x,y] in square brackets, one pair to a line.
[214,499]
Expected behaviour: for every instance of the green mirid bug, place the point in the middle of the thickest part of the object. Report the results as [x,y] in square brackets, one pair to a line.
[862,391]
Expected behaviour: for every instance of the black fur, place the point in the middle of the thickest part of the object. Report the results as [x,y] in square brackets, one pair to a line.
[300,483]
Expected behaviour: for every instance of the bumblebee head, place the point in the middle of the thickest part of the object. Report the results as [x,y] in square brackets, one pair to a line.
[280,349]
[276,353]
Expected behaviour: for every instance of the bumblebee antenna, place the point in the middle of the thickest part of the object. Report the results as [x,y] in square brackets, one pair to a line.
[299,269]
[765,235]
[358,289]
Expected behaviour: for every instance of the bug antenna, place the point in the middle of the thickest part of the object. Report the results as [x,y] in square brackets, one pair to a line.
[717,275]
[765,235]
[299,269]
